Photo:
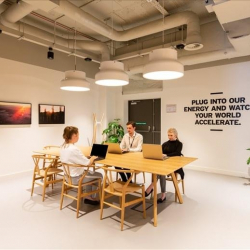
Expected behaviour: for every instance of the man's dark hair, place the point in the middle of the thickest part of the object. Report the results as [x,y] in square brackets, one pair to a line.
[131,123]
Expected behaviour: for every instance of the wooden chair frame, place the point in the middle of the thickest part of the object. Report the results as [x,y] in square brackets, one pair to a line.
[47,173]
[135,175]
[179,180]
[68,185]
[121,189]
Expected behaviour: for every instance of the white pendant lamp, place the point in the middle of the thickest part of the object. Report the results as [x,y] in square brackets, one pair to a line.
[75,81]
[111,74]
[163,65]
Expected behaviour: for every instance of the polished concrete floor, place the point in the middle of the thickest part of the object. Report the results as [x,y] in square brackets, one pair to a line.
[215,215]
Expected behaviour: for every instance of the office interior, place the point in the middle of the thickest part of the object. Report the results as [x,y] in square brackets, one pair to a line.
[215,212]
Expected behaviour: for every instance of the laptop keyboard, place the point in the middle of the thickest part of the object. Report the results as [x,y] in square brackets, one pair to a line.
[99,158]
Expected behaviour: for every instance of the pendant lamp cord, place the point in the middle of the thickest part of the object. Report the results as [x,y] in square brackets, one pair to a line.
[54,33]
[163,19]
[75,47]
[112,26]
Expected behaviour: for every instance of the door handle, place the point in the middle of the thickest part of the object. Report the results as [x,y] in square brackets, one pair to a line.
[145,131]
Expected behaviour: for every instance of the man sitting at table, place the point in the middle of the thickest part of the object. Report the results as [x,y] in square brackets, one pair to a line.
[131,142]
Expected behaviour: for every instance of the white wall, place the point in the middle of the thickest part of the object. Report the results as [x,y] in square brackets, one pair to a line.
[21,82]
[219,152]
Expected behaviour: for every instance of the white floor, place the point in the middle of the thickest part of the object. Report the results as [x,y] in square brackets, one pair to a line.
[215,215]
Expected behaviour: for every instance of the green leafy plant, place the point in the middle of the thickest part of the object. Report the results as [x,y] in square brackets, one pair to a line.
[114,132]
[248,161]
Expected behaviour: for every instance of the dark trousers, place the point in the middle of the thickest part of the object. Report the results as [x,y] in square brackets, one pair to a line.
[124,176]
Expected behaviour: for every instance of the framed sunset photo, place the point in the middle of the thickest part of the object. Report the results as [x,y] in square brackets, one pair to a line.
[51,114]
[15,113]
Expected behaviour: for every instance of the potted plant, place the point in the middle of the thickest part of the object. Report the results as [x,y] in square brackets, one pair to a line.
[248,161]
[114,132]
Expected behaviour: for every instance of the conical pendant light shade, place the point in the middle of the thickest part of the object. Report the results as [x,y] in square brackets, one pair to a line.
[75,81]
[111,74]
[163,65]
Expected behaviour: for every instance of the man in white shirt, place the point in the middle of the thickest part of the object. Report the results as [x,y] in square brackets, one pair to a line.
[131,142]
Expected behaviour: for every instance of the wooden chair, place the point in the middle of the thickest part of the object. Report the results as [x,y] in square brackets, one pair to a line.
[121,189]
[179,180]
[68,185]
[57,163]
[135,175]
[44,169]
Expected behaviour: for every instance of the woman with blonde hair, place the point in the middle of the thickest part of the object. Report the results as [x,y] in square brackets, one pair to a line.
[172,147]
[71,154]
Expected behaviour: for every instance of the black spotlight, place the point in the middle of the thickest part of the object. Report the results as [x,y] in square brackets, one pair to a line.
[87,59]
[50,54]
[180,46]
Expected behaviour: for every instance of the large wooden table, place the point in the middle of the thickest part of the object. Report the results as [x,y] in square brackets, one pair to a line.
[135,161]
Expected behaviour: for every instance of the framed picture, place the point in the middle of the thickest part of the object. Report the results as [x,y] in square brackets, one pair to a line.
[15,113]
[51,114]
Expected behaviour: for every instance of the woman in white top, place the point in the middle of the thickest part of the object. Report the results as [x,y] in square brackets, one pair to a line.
[72,154]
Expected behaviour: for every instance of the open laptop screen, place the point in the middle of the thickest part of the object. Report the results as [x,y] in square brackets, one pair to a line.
[99,150]
[153,151]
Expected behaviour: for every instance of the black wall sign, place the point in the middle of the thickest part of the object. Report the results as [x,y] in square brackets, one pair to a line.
[218,111]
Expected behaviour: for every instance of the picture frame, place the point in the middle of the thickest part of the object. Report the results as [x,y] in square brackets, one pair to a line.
[51,114]
[15,113]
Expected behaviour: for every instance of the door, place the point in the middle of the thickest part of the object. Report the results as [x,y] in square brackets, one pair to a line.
[147,116]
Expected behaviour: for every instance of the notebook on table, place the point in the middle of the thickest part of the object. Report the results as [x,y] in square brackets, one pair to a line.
[153,151]
[100,151]
[114,148]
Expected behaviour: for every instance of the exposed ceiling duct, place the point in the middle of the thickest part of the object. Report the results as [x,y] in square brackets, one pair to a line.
[16,12]
[233,16]
[193,40]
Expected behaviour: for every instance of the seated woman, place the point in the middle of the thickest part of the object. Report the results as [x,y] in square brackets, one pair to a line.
[172,147]
[71,154]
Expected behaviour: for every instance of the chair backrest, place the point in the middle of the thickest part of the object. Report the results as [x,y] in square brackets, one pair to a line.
[109,178]
[66,169]
[40,161]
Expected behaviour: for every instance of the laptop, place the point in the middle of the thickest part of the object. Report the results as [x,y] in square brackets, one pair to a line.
[153,151]
[114,148]
[99,150]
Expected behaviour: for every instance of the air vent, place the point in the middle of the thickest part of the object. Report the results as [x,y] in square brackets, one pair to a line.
[193,46]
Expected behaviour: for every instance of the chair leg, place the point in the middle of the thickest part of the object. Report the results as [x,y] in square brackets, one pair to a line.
[44,187]
[122,211]
[78,201]
[100,189]
[33,184]
[52,179]
[62,196]
[102,200]
[182,182]
[143,202]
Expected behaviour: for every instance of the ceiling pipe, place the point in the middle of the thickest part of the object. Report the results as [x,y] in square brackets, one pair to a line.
[194,59]
[15,13]
[193,40]
[92,46]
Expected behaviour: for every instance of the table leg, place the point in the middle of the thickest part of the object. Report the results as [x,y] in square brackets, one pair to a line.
[155,199]
[177,188]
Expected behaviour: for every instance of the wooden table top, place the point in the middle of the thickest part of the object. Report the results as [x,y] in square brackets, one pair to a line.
[136,161]
[133,161]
